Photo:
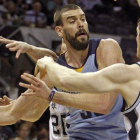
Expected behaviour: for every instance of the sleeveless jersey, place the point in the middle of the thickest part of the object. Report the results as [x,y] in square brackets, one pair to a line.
[86,125]
[57,123]
[132,119]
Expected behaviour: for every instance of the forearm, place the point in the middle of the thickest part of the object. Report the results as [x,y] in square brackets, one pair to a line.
[38,109]
[58,75]
[11,113]
[36,53]
[89,102]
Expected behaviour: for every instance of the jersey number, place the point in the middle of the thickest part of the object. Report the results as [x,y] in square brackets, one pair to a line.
[56,124]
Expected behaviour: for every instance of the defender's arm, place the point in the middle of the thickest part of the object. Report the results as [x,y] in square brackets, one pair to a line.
[108,53]
[21,47]
[27,108]
[108,79]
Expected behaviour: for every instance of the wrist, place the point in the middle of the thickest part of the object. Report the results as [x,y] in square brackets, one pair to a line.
[51,95]
[30,48]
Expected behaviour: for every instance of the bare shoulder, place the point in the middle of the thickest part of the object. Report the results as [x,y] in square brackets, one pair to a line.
[109,44]
[108,53]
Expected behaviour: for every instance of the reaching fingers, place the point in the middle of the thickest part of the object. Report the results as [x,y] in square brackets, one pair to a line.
[34,88]
[5,41]
[30,78]
[29,94]
[12,45]
[18,54]
[7,99]
[13,49]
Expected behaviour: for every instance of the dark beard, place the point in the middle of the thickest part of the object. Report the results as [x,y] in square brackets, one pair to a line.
[75,43]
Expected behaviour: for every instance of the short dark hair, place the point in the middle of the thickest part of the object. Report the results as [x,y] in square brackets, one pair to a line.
[65,8]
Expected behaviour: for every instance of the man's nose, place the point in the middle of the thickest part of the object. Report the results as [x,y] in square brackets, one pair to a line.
[80,24]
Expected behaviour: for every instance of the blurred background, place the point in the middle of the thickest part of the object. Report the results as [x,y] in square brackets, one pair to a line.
[32,21]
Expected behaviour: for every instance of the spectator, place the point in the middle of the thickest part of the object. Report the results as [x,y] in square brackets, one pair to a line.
[22,7]
[43,132]
[5,132]
[23,132]
[12,13]
[35,17]
[33,130]
[88,5]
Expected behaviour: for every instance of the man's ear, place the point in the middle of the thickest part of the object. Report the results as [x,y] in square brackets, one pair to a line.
[59,31]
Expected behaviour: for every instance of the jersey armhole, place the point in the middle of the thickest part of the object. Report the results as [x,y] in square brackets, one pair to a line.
[96,64]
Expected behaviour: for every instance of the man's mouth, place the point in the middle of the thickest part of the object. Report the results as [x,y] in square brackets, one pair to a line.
[82,34]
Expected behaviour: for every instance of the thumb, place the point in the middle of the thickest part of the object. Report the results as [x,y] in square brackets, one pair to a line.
[6,98]
[36,70]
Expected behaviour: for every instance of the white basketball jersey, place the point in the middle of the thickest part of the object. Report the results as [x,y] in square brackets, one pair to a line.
[132,120]
[57,122]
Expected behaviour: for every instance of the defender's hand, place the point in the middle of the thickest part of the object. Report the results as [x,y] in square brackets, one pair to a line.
[12,45]
[5,101]
[38,87]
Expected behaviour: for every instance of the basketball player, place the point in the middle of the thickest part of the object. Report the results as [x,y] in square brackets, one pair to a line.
[72,26]
[86,55]
[118,77]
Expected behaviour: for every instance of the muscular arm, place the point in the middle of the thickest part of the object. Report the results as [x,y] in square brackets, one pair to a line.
[36,53]
[39,105]
[21,47]
[108,79]
[108,53]
[118,77]
[26,108]
[10,114]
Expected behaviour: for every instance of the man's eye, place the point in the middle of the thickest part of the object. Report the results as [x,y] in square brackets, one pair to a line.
[72,21]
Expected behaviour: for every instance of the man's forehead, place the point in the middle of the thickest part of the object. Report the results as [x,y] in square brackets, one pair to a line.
[77,12]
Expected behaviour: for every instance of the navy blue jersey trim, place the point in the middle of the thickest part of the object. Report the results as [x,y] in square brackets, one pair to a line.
[96,64]
[93,45]
[132,116]
[132,104]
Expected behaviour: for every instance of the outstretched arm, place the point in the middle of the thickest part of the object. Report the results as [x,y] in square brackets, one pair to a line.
[26,108]
[21,47]
[68,79]
[108,79]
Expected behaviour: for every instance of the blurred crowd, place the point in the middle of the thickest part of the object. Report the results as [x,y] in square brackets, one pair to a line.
[105,14]
[24,131]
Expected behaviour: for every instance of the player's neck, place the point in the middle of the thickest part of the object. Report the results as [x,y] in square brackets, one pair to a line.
[76,58]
